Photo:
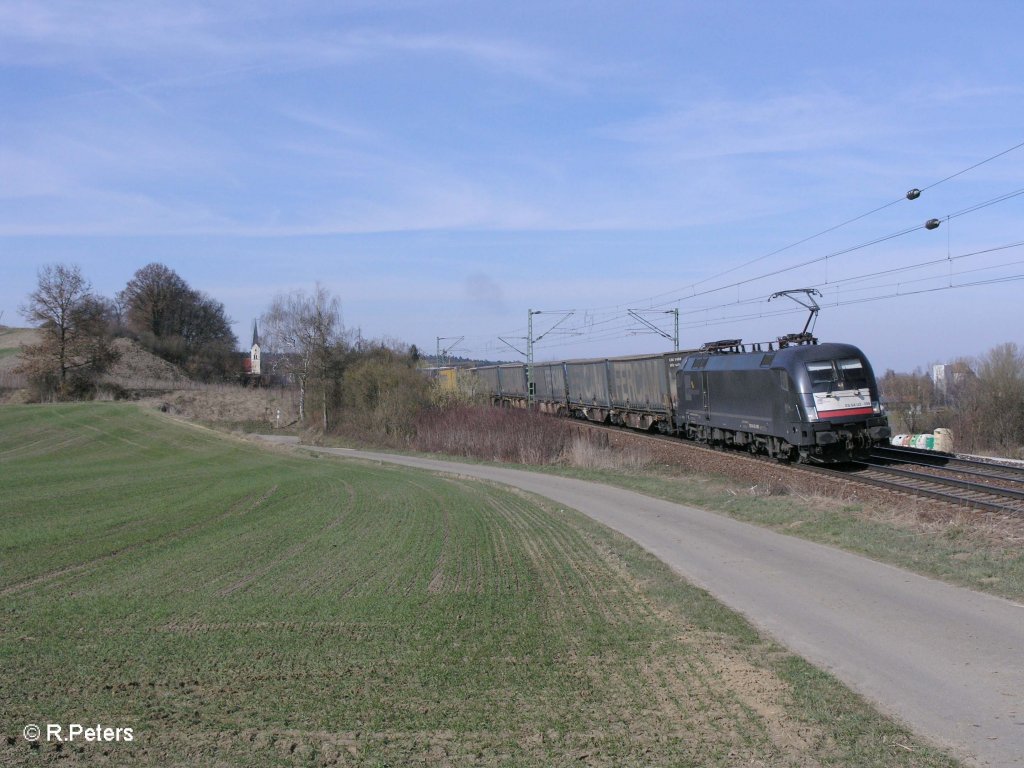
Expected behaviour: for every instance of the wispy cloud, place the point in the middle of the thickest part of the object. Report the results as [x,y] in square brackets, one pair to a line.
[729,127]
[48,33]
[160,39]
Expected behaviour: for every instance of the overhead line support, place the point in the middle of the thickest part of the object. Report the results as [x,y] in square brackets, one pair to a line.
[442,354]
[635,314]
[531,387]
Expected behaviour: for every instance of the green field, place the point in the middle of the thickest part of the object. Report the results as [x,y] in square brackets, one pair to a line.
[239,606]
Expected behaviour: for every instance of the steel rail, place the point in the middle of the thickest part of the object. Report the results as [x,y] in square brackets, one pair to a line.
[971,489]
[997,477]
[937,491]
[944,460]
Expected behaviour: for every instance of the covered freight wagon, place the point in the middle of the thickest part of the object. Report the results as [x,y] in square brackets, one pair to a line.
[587,383]
[550,391]
[506,384]
[642,390]
[638,391]
[489,376]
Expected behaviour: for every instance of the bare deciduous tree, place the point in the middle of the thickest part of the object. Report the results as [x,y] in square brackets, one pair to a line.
[303,335]
[909,396]
[74,324]
[993,404]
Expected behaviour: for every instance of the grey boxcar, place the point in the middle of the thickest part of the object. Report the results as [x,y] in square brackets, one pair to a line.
[512,382]
[587,382]
[549,387]
[642,390]
[489,375]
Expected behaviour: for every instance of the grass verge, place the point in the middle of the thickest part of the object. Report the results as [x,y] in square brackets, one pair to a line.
[970,549]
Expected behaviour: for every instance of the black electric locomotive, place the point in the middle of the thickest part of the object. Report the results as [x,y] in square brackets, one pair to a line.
[809,402]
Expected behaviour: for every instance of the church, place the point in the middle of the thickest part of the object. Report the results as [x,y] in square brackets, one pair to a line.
[252,363]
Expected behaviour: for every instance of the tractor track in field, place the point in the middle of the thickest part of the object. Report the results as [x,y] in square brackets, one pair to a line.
[242,506]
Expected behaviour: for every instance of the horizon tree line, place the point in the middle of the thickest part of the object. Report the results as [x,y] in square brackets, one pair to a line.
[157,308]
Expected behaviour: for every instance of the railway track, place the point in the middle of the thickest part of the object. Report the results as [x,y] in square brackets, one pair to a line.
[944,487]
[982,469]
[963,482]
[960,482]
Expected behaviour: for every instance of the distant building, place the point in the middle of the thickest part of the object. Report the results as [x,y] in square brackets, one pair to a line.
[253,368]
[947,377]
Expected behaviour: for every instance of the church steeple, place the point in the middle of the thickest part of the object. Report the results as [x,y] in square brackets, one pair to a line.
[254,351]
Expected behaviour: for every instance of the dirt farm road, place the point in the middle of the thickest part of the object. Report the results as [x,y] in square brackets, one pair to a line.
[947,661]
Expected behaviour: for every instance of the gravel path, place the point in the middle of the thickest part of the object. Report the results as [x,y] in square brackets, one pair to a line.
[947,661]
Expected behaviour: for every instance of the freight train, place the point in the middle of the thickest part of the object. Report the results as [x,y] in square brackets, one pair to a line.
[808,402]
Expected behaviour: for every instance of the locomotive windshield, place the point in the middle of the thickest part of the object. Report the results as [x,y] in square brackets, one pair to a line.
[829,375]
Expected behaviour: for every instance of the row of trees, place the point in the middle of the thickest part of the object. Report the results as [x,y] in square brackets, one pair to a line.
[344,382]
[982,401]
[157,307]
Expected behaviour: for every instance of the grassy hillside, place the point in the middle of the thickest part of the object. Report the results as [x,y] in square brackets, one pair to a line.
[11,340]
[135,366]
[235,606]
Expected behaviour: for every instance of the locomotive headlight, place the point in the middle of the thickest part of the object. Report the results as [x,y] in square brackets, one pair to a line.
[876,408]
[812,413]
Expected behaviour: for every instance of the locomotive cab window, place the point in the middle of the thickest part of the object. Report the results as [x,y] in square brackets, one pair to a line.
[823,376]
[852,374]
[829,375]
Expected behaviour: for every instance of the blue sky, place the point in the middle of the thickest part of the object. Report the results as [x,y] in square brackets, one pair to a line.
[442,167]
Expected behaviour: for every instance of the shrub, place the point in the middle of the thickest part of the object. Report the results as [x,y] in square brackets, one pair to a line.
[493,434]
[383,397]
